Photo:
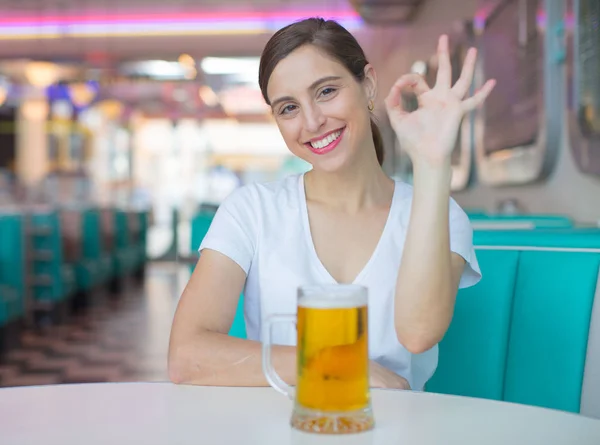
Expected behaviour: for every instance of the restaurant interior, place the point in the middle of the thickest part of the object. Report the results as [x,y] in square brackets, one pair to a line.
[124,124]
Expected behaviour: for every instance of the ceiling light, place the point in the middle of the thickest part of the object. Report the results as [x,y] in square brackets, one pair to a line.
[82,93]
[187,61]
[230,65]
[41,74]
[157,69]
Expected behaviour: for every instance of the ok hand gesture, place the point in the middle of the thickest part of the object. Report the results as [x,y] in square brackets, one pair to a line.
[429,133]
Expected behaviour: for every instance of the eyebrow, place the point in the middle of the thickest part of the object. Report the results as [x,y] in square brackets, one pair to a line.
[311,87]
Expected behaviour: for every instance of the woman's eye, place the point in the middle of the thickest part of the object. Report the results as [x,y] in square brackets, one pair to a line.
[287,109]
[327,91]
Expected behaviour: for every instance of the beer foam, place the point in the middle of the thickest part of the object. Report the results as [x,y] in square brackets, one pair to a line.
[332,296]
[332,302]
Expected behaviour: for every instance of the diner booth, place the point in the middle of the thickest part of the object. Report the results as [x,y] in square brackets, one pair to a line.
[529,331]
[132,134]
[56,261]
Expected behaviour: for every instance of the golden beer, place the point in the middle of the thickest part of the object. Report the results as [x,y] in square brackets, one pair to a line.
[332,385]
[333,367]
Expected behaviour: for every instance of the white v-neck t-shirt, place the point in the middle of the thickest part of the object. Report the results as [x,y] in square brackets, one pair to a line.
[264,228]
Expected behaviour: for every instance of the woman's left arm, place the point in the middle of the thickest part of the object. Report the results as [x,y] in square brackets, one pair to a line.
[430,272]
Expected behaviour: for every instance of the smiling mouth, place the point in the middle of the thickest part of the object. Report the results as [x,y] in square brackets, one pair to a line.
[326,143]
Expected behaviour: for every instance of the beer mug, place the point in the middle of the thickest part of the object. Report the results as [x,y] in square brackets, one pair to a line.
[332,387]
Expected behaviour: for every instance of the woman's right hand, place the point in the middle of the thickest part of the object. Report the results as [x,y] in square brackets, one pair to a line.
[381,377]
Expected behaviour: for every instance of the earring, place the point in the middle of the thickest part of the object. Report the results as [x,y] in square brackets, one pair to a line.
[371,106]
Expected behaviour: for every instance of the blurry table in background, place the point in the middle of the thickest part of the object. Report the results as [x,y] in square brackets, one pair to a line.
[163,413]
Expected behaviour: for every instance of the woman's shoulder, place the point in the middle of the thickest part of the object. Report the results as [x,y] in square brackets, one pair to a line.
[265,194]
[287,185]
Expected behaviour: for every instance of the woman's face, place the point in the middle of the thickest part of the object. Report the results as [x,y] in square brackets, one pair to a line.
[320,109]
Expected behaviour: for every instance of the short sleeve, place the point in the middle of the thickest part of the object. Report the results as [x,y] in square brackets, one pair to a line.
[461,242]
[234,229]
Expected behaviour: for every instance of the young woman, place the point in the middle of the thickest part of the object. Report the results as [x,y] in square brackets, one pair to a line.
[345,221]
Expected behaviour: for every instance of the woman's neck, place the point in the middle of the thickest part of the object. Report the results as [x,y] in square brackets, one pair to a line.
[350,190]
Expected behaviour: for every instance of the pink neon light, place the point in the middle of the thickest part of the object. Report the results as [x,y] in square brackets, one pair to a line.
[169,17]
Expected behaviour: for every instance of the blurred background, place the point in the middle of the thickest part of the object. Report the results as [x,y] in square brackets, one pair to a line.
[124,124]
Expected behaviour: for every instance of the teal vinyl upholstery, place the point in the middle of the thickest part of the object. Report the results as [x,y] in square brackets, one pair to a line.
[200,224]
[521,334]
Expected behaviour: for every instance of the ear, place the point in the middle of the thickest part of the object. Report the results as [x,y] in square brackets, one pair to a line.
[370,82]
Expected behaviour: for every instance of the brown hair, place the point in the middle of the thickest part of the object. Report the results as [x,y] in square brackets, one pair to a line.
[330,37]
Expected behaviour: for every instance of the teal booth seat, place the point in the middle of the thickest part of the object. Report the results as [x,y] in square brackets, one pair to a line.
[482,221]
[573,238]
[46,274]
[238,327]
[472,355]
[126,254]
[77,231]
[9,306]
[11,317]
[69,279]
[12,268]
[200,224]
[142,241]
[521,334]
[92,249]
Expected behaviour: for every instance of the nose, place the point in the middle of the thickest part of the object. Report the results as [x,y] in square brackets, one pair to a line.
[314,118]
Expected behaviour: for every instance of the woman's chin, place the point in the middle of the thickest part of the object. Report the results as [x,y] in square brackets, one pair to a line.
[333,164]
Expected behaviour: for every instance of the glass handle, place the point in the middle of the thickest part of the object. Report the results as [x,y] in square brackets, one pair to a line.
[272,377]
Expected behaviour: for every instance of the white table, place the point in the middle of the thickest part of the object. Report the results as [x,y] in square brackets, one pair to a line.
[162,413]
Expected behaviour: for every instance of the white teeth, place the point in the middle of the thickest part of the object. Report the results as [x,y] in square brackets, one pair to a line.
[326,140]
